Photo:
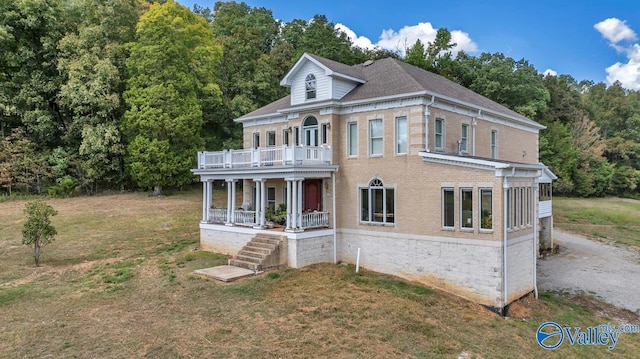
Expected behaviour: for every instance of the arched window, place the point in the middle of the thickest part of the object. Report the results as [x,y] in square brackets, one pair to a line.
[310,131]
[377,203]
[310,86]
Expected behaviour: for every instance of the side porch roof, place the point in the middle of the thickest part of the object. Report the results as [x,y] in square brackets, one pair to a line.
[501,168]
[266,172]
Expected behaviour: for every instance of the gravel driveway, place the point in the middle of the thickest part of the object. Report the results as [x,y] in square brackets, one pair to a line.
[607,271]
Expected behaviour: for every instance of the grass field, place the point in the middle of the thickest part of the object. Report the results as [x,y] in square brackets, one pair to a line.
[601,218]
[119,283]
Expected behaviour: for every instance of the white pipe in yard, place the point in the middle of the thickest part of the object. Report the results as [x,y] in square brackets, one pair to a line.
[358,261]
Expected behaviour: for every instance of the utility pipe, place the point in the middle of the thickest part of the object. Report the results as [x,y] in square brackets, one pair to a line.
[427,112]
[505,187]
[535,236]
[358,261]
[333,205]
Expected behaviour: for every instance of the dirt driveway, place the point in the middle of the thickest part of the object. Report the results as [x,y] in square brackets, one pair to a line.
[610,272]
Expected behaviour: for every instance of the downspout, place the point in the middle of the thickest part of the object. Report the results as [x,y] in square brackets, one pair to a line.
[426,123]
[333,205]
[505,187]
[474,123]
[536,236]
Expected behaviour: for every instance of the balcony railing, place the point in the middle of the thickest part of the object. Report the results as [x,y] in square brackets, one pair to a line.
[315,220]
[265,156]
[248,218]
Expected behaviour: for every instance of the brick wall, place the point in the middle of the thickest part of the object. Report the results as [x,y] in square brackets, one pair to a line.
[468,268]
[310,250]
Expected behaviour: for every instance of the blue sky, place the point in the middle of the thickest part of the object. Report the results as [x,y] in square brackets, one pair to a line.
[589,40]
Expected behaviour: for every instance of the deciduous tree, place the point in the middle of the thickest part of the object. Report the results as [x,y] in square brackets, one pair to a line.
[172,67]
[38,230]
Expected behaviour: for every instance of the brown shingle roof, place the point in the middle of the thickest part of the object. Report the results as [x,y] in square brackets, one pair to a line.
[339,67]
[389,77]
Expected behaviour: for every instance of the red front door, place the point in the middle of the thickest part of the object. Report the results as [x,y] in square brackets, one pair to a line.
[312,195]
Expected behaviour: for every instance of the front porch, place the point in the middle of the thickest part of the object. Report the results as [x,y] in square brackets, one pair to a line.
[287,185]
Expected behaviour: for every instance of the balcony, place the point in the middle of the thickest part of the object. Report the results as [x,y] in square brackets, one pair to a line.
[265,156]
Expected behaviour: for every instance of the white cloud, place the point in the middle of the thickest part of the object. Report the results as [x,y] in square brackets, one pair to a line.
[360,41]
[399,41]
[628,74]
[550,72]
[615,30]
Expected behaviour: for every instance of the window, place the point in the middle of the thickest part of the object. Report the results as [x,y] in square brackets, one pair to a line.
[486,209]
[271,138]
[545,192]
[528,206]
[352,139]
[448,211]
[509,208]
[310,131]
[256,140]
[494,144]
[377,203]
[323,133]
[464,138]
[401,135]
[296,136]
[466,208]
[285,137]
[522,210]
[271,197]
[375,137]
[310,86]
[439,134]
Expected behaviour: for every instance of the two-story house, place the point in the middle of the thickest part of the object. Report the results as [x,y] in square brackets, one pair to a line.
[388,165]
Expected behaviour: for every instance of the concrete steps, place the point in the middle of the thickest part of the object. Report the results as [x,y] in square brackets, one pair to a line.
[261,253]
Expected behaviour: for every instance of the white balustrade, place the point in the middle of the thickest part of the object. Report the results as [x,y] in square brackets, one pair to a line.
[315,220]
[265,156]
[217,215]
[245,218]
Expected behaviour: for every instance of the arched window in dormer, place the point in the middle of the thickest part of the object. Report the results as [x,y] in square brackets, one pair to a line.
[310,86]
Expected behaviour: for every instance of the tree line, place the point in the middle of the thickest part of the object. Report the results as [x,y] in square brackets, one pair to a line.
[98,94]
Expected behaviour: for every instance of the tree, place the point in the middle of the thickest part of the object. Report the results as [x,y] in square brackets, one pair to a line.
[92,58]
[416,55]
[38,230]
[250,71]
[29,80]
[514,84]
[172,67]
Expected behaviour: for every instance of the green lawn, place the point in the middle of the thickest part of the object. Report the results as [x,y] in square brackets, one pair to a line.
[601,218]
[119,283]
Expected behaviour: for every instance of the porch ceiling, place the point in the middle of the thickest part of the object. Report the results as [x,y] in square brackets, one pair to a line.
[295,171]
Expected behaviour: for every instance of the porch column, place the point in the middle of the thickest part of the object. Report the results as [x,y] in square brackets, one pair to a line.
[229,220]
[263,202]
[293,209]
[289,219]
[299,207]
[233,201]
[205,205]
[259,202]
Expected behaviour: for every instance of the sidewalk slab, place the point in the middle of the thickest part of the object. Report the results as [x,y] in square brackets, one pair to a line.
[225,273]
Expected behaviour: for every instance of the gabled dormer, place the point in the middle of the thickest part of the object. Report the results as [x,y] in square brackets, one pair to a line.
[318,79]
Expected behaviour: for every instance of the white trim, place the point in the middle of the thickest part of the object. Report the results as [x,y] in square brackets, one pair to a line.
[288,78]
[420,98]
[521,169]
[252,231]
[410,236]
